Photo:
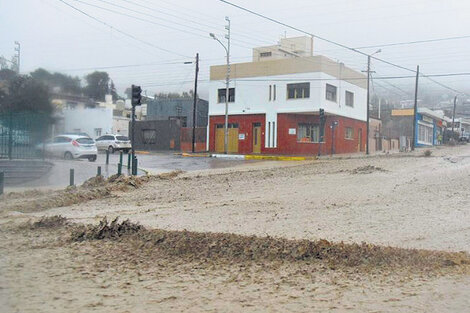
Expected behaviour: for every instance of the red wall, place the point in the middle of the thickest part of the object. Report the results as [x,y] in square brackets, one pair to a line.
[288,144]
[245,125]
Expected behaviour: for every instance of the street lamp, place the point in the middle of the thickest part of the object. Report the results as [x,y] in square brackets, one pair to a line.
[227,80]
[368,97]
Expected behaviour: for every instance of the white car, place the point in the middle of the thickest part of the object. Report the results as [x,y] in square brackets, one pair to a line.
[113,142]
[72,147]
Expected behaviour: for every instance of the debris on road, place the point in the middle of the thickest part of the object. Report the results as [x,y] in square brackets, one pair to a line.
[368,169]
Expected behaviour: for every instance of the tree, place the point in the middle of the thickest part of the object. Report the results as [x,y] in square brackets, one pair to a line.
[112,89]
[20,93]
[97,85]
[65,83]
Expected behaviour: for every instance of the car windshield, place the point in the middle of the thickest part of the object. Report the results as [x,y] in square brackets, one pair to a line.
[85,141]
[122,138]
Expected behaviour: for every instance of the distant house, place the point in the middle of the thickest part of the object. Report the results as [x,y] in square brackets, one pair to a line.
[63,101]
[178,109]
[168,125]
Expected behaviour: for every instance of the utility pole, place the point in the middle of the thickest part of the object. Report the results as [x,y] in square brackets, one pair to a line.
[453,117]
[368,104]
[195,103]
[227,85]
[18,55]
[415,110]
[368,97]
[227,79]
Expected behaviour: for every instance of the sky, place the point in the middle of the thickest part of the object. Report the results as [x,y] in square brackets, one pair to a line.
[147,42]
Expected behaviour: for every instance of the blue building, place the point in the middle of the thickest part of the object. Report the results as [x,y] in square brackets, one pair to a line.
[180,109]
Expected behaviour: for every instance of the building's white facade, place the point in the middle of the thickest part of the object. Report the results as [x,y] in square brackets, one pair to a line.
[95,122]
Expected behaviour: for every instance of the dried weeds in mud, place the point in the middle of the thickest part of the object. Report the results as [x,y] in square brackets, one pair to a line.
[368,169]
[49,222]
[230,248]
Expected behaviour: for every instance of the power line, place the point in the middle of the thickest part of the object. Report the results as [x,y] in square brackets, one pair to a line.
[414,42]
[360,78]
[313,35]
[204,35]
[332,42]
[122,32]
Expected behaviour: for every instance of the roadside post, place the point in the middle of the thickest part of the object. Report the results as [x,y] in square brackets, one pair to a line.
[107,157]
[119,169]
[322,129]
[2,182]
[134,166]
[120,157]
[72,177]
[128,161]
[98,173]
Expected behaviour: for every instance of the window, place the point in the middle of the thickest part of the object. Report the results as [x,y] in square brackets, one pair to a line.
[222,92]
[298,91]
[274,91]
[331,92]
[349,99]
[62,139]
[270,92]
[182,119]
[149,136]
[269,132]
[308,133]
[265,54]
[425,134]
[85,141]
[98,132]
[349,133]
[122,138]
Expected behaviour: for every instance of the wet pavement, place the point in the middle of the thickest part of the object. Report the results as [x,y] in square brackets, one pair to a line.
[155,163]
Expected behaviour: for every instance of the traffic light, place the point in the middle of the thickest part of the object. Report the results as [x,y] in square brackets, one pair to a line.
[322,114]
[136,95]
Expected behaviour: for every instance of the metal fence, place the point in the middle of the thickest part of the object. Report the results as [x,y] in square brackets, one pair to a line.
[22,135]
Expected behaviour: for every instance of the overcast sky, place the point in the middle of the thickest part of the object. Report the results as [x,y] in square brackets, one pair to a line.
[57,37]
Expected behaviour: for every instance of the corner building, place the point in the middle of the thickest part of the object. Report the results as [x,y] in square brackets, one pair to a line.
[274,103]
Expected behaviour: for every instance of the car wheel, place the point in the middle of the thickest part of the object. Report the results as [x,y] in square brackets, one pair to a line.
[68,156]
[111,149]
[92,158]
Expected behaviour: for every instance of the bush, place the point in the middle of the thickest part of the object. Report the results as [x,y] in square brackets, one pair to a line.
[427,153]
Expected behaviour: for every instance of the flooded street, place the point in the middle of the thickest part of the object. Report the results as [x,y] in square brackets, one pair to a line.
[332,202]
[152,163]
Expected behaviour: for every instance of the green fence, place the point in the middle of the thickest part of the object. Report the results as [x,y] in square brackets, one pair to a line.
[22,135]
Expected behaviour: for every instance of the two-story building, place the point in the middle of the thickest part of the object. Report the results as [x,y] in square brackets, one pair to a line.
[274,105]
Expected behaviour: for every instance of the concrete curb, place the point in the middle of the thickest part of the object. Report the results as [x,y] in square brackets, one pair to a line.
[250,157]
[278,158]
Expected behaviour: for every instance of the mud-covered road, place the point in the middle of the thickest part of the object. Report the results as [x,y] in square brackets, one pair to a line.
[401,201]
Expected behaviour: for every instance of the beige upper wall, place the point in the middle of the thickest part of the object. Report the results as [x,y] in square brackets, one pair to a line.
[290,66]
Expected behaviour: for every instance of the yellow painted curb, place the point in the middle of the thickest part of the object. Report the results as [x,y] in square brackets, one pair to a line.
[198,155]
[142,152]
[278,158]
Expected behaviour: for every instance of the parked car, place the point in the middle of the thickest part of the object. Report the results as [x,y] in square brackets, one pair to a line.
[72,147]
[113,142]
